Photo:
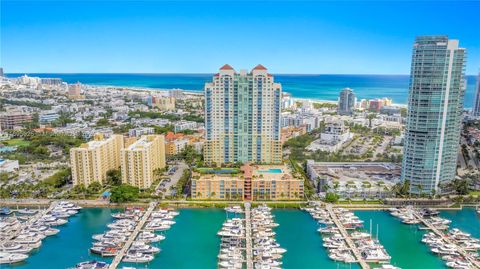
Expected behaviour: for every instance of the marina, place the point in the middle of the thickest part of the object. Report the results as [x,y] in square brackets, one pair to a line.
[233,246]
[23,232]
[457,248]
[342,235]
[130,236]
[304,245]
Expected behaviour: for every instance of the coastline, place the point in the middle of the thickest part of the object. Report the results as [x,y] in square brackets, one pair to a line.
[200,93]
[44,203]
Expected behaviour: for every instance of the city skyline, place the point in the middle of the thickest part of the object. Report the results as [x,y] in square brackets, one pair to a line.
[166,37]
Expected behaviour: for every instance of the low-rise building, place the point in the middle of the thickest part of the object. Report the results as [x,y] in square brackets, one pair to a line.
[257,183]
[354,179]
[9,166]
[140,160]
[336,134]
[138,132]
[163,103]
[11,119]
[48,116]
[184,125]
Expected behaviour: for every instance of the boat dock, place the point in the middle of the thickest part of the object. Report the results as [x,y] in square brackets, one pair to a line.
[445,238]
[248,236]
[347,238]
[118,258]
[32,220]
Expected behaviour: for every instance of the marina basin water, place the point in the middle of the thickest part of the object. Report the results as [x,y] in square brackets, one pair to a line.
[467,220]
[401,241]
[297,232]
[192,242]
[70,246]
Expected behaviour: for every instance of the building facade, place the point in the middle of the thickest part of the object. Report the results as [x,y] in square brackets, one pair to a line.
[91,161]
[252,183]
[48,116]
[435,104]
[242,117]
[11,119]
[346,102]
[163,103]
[476,104]
[140,160]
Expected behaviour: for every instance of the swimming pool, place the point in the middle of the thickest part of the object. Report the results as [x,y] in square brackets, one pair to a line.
[271,171]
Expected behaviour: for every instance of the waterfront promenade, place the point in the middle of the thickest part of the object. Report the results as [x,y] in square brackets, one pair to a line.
[118,258]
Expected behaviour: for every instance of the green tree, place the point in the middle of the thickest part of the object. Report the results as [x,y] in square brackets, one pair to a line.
[94,188]
[114,177]
[189,154]
[331,197]
[124,193]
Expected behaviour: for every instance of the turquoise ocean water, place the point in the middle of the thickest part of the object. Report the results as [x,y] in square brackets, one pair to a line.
[321,87]
[192,242]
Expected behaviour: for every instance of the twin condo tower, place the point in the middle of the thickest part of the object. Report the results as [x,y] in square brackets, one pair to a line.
[242,117]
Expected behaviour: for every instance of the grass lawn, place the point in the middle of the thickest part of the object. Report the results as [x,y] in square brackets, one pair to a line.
[474,193]
[16,142]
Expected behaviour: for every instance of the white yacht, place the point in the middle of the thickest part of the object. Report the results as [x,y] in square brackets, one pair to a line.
[15,248]
[137,257]
[8,258]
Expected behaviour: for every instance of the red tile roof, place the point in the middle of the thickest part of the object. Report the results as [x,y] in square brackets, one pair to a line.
[226,67]
[259,67]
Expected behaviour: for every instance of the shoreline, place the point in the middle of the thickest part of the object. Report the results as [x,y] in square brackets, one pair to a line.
[200,93]
[44,203]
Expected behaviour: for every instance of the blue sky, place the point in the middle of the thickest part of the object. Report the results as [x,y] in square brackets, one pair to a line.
[313,37]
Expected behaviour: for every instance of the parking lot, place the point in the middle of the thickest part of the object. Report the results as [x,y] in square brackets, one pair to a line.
[170,179]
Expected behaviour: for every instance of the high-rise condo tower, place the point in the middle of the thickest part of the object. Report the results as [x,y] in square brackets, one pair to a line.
[435,105]
[242,117]
[476,101]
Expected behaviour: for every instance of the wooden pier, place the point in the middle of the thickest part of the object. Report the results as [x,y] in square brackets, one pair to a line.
[445,238]
[347,238]
[118,258]
[248,236]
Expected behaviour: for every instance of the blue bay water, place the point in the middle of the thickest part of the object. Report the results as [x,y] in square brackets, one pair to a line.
[71,245]
[192,242]
[320,87]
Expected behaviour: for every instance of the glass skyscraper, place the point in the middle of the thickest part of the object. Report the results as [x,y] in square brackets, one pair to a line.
[476,102]
[435,105]
[242,117]
[346,102]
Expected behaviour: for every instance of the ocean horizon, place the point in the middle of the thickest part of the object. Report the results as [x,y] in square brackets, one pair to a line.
[307,86]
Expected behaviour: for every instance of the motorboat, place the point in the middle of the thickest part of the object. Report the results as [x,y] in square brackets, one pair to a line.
[9,258]
[150,237]
[137,257]
[234,209]
[5,211]
[27,211]
[104,251]
[141,247]
[92,265]
[15,248]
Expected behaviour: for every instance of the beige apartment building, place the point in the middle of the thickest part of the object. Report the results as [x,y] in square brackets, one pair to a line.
[91,161]
[252,183]
[163,103]
[141,159]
